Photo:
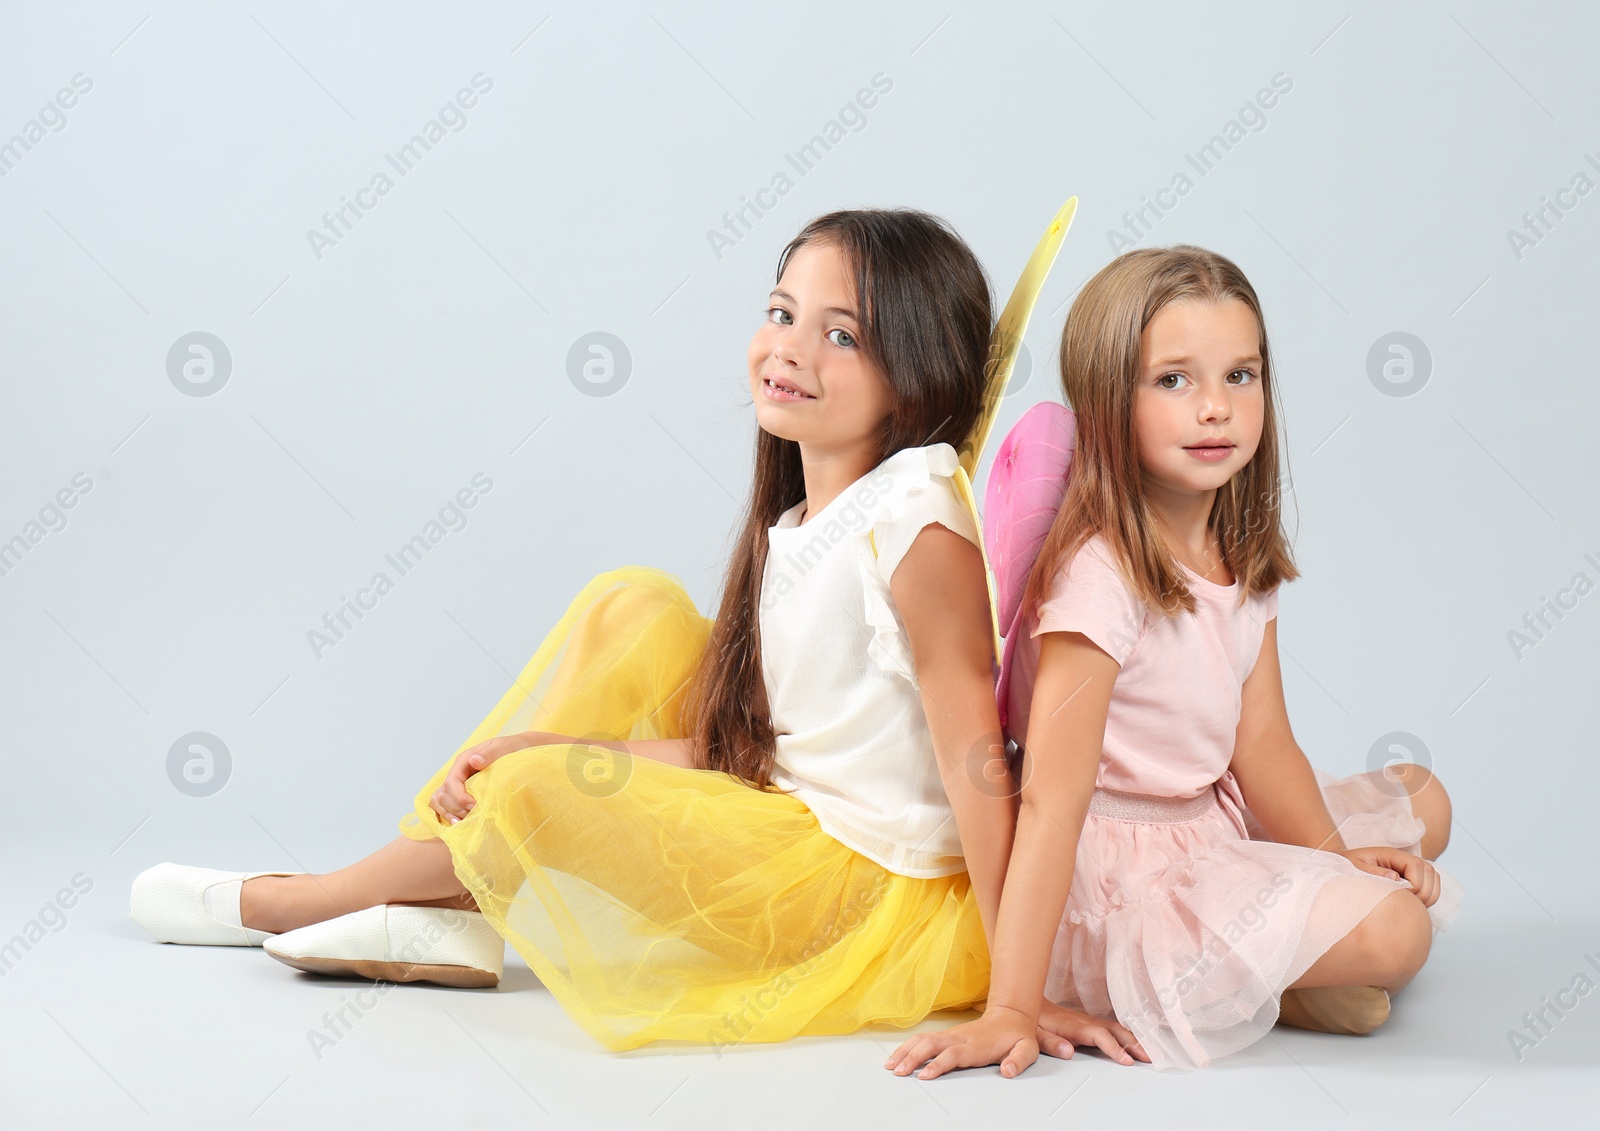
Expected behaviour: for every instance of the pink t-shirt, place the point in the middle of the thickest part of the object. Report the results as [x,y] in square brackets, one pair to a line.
[1175,707]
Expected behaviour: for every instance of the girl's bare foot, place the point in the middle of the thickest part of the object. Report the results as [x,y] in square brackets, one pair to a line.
[402,871]
[1350,1010]
[282,903]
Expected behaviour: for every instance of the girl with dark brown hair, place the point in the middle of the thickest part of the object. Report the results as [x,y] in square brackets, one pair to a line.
[773,823]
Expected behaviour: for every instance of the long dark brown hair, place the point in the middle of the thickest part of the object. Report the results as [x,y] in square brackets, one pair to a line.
[925,316]
[1100,370]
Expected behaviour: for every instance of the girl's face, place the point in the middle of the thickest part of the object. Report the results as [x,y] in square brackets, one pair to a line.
[1199,384]
[809,378]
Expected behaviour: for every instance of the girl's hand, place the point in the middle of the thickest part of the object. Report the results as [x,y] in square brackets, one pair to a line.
[451,800]
[1061,1028]
[1394,864]
[1001,1036]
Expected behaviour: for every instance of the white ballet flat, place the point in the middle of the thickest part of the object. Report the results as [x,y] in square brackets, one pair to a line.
[397,942]
[179,903]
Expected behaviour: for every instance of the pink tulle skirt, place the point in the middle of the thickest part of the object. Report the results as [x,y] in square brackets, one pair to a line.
[1186,923]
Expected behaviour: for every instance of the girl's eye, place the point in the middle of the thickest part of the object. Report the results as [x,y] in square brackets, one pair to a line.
[1248,376]
[845,339]
[779,315]
[1161,379]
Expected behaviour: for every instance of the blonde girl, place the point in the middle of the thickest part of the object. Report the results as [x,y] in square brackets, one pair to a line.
[1146,699]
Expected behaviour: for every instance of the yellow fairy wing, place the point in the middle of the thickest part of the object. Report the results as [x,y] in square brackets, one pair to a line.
[1007,337]
[1003,346]
[964,489]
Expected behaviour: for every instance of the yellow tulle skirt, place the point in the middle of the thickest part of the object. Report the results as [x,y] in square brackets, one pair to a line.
[663,903]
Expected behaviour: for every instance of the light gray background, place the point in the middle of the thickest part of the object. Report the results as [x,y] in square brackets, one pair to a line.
[431,343]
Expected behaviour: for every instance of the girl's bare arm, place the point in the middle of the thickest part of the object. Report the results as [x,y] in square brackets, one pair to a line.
[942,595]
[674,751]
[1281,789]
[1066,731]
[1274,775]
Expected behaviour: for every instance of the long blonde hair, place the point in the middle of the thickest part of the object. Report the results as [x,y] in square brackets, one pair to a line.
[1100,371]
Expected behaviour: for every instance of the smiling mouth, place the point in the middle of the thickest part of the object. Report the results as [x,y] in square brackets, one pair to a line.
[788,390]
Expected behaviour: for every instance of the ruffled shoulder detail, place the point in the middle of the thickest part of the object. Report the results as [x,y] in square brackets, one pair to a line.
[908,470]
[920,488]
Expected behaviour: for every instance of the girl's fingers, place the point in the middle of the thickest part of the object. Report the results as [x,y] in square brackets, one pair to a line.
[1431,889]
[909,1055]
[901,1053]
[938,1050]
[470,766]
[907,1064]
[451,801]
[1108,1044]
[944,1062]
[1054,1043]
[1015,1062]
[1424,880]
[452,804]
[1128,1041]
[1111,1038]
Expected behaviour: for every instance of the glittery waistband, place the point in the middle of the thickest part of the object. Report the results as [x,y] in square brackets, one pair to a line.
[1120,806]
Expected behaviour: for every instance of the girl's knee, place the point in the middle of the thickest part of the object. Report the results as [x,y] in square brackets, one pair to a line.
[557,776]
[1430,802]
[1395,939]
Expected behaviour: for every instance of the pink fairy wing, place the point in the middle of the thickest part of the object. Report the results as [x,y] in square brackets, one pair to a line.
[1026,486]
[1021,499]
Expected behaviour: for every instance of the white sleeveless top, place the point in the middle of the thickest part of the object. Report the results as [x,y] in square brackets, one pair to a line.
[852,738]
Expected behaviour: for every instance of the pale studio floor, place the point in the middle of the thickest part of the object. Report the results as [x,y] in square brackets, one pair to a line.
[104,1028]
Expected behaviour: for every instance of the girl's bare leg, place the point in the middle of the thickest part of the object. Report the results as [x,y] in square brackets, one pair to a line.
[1428,801]
[403,871]
[1389,946]
[1386,949]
